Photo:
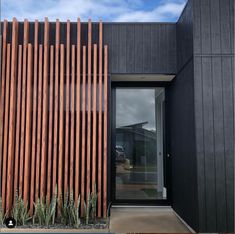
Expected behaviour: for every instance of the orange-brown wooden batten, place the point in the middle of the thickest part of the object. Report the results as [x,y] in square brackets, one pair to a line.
[83,128]
[78,111]
[94,134]
[50,127]
[34,124]
[28,124]
[12,115]
[72,121]
[6,125]
[44,110]
[2,96]
[100,119]
[56,106]
[67,109]
[61,126]
[39,125]
[18,117]
[23,106]
[88,154]
[105,134]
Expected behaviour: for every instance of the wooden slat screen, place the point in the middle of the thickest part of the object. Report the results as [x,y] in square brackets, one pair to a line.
[53,115]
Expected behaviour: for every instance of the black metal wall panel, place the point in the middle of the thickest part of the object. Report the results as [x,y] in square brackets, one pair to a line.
[182,125]
[214,112]
[205,35]
[182,146]
[213,27]
[185,36]
[141,48]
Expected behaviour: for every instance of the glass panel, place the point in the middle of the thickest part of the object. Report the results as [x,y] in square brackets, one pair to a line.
[139,144]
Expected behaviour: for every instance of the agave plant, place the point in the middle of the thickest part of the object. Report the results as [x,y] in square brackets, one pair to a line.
[74,211]
[87,207]
[65,210]
[20,210]
[45,211]
[94,196]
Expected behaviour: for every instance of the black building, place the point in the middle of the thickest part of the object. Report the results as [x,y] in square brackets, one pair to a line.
[166,131]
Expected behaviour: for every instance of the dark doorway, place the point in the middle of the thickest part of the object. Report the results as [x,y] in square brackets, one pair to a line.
[139,162]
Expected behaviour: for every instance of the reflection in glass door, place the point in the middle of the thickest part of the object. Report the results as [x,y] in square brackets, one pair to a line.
[139,161]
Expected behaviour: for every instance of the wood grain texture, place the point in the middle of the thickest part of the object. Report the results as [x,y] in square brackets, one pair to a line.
[2,94]
[105,134]
[45,110]
[56,107]
[23,107]
[83,128]
[72,122]
[67,108]
[78,111]
[50,134]
[28,125]
[88,154]
[61,126]
[6,125]
[12,114]
[94,133]
[18,117]
[100,119]
[39,125]
[34,121]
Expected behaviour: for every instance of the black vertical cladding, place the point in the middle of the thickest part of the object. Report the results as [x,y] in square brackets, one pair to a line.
[136,48]
[122,37]
[205,51]
[214,113]
[182,146]
[182,135]
[146,48]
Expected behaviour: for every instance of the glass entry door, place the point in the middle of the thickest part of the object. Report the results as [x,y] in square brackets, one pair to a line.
[138,152]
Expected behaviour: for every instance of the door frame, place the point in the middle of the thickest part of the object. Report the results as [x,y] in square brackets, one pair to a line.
[167,160]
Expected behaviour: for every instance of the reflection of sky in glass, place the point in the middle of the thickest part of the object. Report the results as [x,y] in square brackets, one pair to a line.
[134,106]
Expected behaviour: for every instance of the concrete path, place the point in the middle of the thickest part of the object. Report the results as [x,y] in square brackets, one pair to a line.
[145,220]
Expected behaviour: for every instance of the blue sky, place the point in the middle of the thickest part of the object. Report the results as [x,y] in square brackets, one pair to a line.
[107,10]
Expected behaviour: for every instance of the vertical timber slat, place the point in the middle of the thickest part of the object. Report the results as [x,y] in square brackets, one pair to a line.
[88,157]
[39,125]
[67,108]
[2,94]
[83,128]
[23,101]
[6,123]
[105,130]
[100,119]
[45,111]
[34,128]
[61,125]
[11,143]
[56,105]
[94,119]
[28,125]
[50,136]
[78,86]
[72,122]
[18,115]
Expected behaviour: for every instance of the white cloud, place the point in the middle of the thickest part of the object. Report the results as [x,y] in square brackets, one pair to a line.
[161,13]
[108,10]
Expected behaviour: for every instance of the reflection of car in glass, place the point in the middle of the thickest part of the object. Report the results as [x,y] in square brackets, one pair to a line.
[120,154]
